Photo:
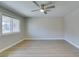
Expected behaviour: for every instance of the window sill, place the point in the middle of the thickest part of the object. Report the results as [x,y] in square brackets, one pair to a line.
[10,33]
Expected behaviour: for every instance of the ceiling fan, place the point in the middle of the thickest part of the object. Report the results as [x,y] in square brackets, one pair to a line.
[44,7]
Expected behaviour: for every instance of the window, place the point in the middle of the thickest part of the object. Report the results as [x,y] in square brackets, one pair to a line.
[16,24]
[10,25]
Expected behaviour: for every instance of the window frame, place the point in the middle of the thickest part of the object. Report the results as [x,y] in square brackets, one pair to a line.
[12,26]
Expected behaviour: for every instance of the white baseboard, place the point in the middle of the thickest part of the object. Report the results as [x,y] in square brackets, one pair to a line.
[44,38]
[72,44]
[11,45]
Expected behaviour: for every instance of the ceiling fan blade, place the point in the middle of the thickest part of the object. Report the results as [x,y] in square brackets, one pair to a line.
[51,7]
[36,3]
[45,12]
[48,10]
[42,6]
[35,10]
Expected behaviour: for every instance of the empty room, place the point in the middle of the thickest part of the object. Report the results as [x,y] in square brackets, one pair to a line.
[39,28]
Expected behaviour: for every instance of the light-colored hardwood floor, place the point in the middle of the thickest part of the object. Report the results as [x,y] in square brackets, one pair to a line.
[42,48]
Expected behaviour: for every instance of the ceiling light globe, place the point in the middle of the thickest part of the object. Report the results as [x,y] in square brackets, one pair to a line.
[41,10]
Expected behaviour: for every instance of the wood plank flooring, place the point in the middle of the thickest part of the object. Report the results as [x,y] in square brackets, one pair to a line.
[42,48]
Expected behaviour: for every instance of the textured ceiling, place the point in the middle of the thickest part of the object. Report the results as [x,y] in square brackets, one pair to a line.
[24,8]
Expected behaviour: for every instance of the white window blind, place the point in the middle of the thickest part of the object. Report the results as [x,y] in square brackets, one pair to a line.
[10,25]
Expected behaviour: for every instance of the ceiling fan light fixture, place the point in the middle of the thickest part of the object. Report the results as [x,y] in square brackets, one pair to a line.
[44,8]
[41,10]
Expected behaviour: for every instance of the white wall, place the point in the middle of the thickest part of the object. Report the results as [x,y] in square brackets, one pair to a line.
[45,28]
[7,40]
[72,28]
